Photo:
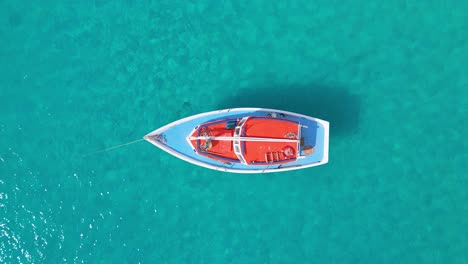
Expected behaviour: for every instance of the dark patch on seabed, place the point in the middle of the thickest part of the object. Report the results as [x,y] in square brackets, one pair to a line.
[333,104]
[15,19]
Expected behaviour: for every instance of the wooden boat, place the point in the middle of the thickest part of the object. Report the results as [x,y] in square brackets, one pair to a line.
[246,140]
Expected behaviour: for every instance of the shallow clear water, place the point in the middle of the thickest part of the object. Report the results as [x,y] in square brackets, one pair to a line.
[75,78]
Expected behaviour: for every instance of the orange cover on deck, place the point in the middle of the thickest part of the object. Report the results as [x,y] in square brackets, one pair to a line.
[254,152]
[269,128]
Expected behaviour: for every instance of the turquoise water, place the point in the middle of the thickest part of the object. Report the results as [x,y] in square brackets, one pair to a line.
[391,77]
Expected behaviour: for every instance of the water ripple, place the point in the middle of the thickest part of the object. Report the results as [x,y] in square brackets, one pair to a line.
[26,224]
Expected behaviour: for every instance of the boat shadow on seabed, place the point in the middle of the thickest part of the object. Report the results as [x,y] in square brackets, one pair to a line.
[334,104]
